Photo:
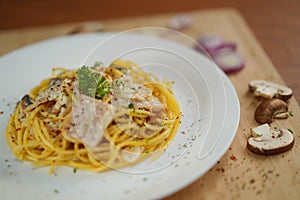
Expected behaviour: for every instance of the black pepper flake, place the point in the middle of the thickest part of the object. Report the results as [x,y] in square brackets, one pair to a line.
[1,112]
[221,169]
[290,130]
[252,181]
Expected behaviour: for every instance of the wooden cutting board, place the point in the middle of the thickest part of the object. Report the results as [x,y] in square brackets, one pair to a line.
[239,174]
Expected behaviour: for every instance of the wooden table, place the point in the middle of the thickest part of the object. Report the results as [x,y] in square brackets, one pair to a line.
[239,174]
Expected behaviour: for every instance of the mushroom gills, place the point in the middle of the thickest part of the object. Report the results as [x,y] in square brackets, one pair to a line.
[268,89]
[267,141]
[26,101]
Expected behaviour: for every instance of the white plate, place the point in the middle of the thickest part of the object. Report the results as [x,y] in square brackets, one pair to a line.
[207,129]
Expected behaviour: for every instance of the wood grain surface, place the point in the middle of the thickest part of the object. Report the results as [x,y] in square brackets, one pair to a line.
[239,174]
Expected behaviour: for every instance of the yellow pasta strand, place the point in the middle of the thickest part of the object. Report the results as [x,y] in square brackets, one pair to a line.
[32,134]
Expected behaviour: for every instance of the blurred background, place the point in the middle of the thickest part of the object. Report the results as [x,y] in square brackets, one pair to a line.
[276,23]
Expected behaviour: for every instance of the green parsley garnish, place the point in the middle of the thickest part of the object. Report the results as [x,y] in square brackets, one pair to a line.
[97,64]
[91,83]
[120,83]
[131,106]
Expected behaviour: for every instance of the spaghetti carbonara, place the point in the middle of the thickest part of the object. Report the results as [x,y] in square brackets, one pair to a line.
[94,118]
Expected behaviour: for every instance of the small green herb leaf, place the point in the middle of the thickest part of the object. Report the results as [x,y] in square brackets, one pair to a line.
[103,88]
[131,106]
[91,83]
[97,64]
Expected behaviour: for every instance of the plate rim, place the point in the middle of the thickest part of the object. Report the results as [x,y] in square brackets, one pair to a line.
[226,80]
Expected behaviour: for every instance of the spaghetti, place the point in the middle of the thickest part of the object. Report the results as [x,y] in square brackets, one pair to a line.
[94,118]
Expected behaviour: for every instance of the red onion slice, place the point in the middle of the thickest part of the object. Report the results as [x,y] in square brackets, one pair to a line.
[213,44]
[229,61]
[210,41]
[223,53]
[180,22]
[224,46]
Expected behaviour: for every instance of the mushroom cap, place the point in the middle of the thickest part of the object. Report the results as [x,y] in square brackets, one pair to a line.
[267,141]
[268,109]
[268,89]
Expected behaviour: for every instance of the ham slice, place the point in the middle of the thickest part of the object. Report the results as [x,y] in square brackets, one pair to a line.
[87,121]
[126,92]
